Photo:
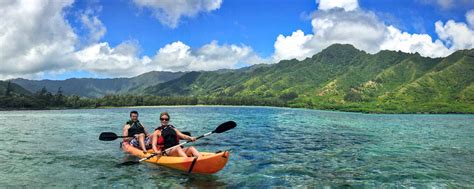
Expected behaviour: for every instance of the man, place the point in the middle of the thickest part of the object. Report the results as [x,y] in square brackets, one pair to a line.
[138,136]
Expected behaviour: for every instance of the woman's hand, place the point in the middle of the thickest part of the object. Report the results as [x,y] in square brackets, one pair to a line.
[158,153]
[192,139]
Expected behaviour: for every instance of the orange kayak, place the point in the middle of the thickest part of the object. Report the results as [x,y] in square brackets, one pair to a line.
[208,164]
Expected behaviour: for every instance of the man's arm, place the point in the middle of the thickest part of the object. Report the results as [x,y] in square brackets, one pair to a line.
[146,132]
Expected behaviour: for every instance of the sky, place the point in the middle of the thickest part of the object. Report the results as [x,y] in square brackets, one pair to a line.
[60,39]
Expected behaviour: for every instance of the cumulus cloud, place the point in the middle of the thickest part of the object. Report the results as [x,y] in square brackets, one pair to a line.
[347,5]
[123,60]
[93,24]
[114,62]
[447,4]
[178,56]
[169,12]
[293,46]
[34,37]
[470,18]
[405,42]
[345,22]
[455,35]
[362,29]
[36,40]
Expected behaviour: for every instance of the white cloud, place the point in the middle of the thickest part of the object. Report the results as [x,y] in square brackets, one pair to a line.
[409,43]
[34,37]
[362,29]
[36,40]
[169,12]
[178,56]
[292,46]
[120,61]
[455,35]
[95,27]
[347,5]
[344,22]
[123,60]
[470,18]
[447,4]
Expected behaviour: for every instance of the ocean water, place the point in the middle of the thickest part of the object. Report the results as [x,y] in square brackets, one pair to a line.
[270,147]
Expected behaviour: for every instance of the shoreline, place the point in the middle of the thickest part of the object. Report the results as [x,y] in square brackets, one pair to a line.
[237,106]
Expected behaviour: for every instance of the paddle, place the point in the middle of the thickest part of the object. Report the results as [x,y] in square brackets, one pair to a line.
[109,136]
[220,129]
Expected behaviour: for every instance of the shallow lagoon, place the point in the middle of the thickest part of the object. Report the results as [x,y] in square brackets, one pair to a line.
[269,147]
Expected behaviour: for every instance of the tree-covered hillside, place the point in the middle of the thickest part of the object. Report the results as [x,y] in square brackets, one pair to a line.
[90,87]
[344,78]
[340,77]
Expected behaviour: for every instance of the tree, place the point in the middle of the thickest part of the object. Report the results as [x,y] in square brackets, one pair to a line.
[289,96]
[353,96]
[59,98]
[9,89]
[44,97]
[42,92]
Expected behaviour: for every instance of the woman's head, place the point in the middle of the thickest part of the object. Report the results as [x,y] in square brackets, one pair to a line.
[164,118]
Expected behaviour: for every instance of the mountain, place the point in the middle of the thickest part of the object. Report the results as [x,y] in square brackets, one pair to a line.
[89,87]
[344,78]
[14,89]
[340,77]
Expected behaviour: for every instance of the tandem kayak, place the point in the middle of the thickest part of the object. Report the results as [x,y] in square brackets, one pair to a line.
[208,164]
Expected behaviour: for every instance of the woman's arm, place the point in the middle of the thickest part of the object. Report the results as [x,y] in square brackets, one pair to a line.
[154,140]
[183,136]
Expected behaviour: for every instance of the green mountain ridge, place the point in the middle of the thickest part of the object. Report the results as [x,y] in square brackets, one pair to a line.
[94,88]
[340,77]
[344,78]
[15,89]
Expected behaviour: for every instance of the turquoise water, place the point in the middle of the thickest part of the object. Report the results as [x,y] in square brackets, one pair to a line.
[269,147]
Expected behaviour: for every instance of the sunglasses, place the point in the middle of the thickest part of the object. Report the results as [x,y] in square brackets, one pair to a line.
[162,119]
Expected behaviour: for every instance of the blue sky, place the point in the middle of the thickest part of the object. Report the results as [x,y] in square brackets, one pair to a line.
[255,23]
[49,39]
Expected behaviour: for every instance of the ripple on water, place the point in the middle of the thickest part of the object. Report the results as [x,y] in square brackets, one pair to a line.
[271,147]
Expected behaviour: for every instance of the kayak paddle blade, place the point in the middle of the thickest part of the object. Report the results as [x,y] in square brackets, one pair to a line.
[225,127]
[186,133]
[107,136]
[129,163]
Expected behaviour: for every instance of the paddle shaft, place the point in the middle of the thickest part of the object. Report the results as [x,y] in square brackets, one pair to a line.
[173,147]
[109,136]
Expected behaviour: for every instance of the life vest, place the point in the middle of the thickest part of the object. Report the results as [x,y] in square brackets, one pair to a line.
[135,128]
[168,137]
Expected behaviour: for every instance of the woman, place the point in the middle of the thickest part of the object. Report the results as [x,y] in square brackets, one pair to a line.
[167,136]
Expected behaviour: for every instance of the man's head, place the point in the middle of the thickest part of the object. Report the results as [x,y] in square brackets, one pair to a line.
[134,115]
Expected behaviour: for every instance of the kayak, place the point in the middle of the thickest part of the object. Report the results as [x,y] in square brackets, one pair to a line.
[208,164]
